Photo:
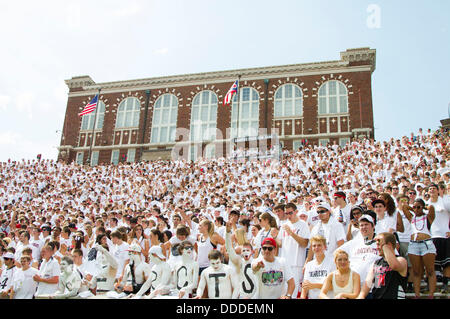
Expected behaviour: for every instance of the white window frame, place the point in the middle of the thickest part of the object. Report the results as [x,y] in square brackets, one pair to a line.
[78,160]
[131,153]
[281,101]
[324,142]
[298,143]
[343,141]
[324,96]
[87,121]
[126,113]
[249,125]
[94,158]
[157,120]
[204,130]
[113,153]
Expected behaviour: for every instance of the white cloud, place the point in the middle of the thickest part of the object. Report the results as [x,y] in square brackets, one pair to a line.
[73,15]
[24,103]
[4,102]
[9,138]
[131,10]
[162,51]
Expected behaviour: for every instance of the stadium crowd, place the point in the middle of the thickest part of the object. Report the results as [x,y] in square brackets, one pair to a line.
[368,220]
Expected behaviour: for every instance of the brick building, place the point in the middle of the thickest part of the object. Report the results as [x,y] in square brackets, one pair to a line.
[320,102]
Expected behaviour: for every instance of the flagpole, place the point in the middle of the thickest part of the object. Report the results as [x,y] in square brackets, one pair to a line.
[93,127]
[238,106]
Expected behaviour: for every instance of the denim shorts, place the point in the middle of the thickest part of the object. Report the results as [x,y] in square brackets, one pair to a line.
[421,248]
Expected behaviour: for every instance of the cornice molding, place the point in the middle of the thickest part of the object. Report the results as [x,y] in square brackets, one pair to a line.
[351,55]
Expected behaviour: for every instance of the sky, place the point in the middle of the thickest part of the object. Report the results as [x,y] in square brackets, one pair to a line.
[46,42]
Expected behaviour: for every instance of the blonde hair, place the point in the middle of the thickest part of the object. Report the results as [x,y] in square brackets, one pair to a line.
[319,239]
[210,226]
[241,237]
[339,252]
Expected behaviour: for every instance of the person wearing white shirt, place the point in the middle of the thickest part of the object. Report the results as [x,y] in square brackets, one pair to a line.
[7,275]
[49,272]
[328,228]
[317,270]
[24,286]
[295,236]
[272,273]
[119,251]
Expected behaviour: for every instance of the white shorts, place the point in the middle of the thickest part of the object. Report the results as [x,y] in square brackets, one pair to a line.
[421,248]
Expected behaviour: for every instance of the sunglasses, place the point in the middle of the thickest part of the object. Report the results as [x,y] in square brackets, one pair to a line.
[417,207]
[267,248]
[4,258]
[189,248]
[321,211]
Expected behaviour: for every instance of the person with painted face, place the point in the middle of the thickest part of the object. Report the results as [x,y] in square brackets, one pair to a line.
[242,265]
[136,273]
[158,282]
[219,279]
[106,269]
[69,283]
[185,272]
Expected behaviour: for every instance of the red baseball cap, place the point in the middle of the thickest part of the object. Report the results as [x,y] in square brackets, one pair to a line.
[269,241]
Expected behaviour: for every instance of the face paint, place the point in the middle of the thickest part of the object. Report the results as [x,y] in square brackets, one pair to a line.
[246,253]
[187,252]
[215,264]
[65,267]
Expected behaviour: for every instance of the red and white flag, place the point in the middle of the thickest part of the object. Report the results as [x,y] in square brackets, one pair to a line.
[233,90]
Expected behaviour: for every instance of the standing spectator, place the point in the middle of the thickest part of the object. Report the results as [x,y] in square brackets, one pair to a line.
[440,232]
[329,228]
[295,237]
[272,273]
[24,286]
[49,272]
[362,250]
[387,276]
[7,275]
[421,250]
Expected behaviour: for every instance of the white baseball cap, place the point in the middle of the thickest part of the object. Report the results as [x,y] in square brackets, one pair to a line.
[324,205]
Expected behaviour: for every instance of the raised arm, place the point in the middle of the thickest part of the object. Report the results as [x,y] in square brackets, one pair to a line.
[230,250]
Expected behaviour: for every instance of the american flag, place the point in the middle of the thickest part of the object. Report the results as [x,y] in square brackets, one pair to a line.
[231,91]
[90,107]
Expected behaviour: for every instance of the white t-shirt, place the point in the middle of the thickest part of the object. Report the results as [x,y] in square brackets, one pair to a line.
[317,273]
[6,279]
[23,284]
[440,225]
[48,270]
[388,222]
[121,254]
[361,256]
[333,231]
[272,278]
[292,252]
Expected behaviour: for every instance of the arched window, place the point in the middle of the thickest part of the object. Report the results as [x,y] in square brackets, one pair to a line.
[204,116]
[333,98]
[288,101]
[248,113]
[164,119]
[128,113]
[87,121]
